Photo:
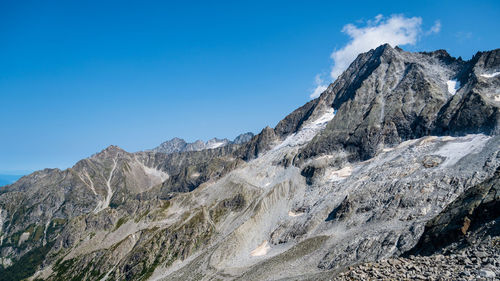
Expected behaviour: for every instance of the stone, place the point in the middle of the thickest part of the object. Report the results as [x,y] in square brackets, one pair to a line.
[486,273]
[481,254]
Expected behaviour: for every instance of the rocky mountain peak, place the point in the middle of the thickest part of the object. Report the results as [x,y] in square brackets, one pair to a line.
[489,60]
[177,145]
[440,54]
[388,96]
[110,151]
[243,138]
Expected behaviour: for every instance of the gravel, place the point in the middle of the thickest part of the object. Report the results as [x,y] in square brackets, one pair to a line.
[478,261]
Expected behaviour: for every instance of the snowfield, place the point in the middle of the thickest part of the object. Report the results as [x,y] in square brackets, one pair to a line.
[308,131]
[491,75]
[215,145]
[453,86]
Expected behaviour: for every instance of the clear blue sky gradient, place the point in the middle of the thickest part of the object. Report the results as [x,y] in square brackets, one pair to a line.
[77,76]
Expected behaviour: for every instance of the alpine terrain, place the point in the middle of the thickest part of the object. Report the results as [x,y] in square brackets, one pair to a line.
[392,173]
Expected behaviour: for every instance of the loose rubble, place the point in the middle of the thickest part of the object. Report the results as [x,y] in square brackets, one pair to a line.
[477,262]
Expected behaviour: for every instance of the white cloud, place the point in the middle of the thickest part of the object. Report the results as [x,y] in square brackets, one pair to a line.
[395,30]
[435,28]
[320,87]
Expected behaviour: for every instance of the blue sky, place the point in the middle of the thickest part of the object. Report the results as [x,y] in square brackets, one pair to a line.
[76,77]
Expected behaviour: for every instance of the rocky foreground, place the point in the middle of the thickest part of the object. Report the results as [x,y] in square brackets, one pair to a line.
[475,258]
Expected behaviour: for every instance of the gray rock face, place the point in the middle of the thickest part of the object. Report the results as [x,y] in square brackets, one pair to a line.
[387,96]
[474,208]
[391,161]
[171,146]
[180,145]
[176,145]
[243,138]
[258,144]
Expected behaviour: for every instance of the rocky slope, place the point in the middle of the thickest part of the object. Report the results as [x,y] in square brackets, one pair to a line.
[394,166]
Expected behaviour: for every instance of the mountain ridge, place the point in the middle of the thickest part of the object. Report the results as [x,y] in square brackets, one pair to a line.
[355,175]
[180,145]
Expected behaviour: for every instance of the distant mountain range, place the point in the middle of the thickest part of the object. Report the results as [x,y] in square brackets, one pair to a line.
[180,145]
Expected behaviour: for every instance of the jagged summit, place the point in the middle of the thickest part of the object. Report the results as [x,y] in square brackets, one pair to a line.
[110,151]
[401,151]
[243,138]
[393,96]
[179,145]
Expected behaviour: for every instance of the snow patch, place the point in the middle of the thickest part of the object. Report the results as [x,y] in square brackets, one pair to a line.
[454,151]
[215,145]
[453,86]
[341,174]
[294,214]
[324,119]
[496,98]
[491,75]
[308,131]
[261,250]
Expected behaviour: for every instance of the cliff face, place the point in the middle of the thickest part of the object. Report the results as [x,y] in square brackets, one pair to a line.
[388,96]
[394,155]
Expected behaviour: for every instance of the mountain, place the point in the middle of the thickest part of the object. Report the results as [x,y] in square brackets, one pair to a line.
[179,145]
[393,172]
[243,138]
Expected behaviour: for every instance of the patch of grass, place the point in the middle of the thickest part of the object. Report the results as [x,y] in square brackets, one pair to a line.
[139,218]
[165,205]
[63,266]
[120,222]
[58,221]
[73,270]
[115,246]
[38,234]
[14,239]
[148,271]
